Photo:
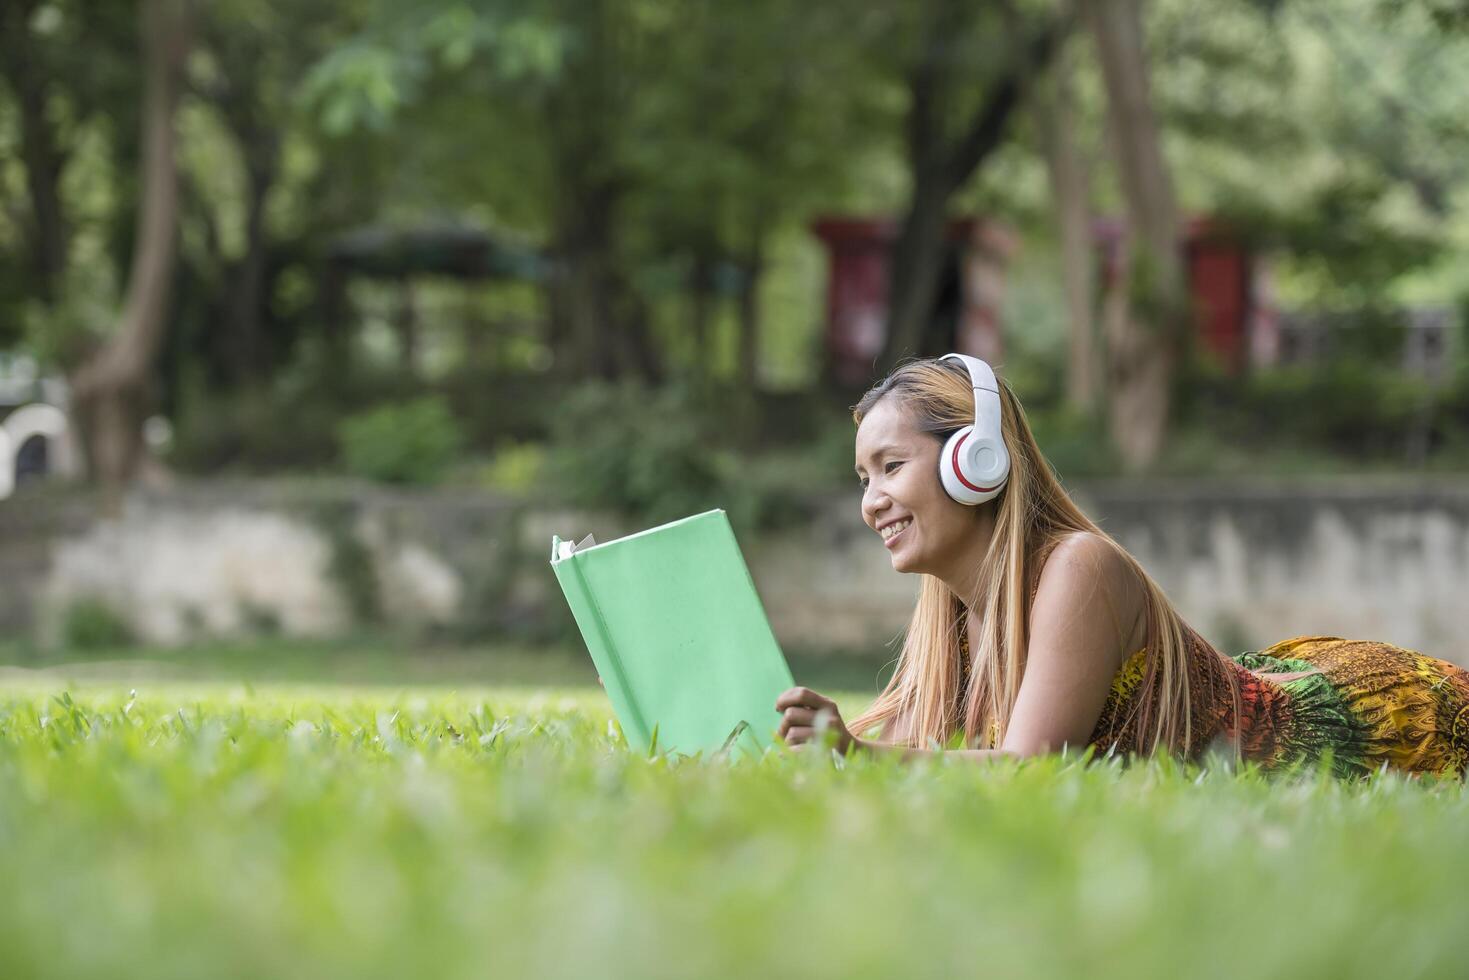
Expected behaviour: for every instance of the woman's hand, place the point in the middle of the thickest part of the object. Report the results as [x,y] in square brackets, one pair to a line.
[800,707]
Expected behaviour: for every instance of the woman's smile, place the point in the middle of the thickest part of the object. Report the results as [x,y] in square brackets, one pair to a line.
[902,528]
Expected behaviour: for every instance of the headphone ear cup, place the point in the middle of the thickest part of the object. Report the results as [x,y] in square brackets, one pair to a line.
[972,468]
[949,462]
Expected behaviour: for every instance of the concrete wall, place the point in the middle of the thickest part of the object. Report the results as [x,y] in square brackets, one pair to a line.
[1248,563]
[1253,562]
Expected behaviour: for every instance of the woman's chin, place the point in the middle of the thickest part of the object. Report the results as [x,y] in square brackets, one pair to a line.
[902,563]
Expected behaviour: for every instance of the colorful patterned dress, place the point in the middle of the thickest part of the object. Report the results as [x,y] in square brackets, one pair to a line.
[1369,703]
[1366,703]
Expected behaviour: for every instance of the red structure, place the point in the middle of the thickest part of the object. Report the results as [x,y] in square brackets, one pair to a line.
[1221,275]
[967,313]
[856,292]
[967,310]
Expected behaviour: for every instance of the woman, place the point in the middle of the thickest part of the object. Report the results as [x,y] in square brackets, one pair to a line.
[1034,630]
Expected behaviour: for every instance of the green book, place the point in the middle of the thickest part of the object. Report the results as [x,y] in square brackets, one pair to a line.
[672,620]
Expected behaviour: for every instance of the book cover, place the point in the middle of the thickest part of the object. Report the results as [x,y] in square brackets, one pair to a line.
[676,629]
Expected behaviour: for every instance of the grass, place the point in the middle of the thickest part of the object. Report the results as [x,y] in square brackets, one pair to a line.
[215,829]
[373,659]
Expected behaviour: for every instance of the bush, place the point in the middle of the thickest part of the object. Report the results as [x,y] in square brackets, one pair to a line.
[91,624]
[645,453]
[655,455]
[1076,445]
[1347,408]
[515,467]
[253,430]
[407,442]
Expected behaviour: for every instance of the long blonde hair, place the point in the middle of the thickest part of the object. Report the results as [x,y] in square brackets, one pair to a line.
[926,702]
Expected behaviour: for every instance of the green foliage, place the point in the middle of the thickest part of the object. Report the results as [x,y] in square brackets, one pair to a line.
[516,467]
[255,429]
[1076,445]
[1350,408]
[92,624]
[1339,247]
[669,151]
[351,566]
[174,832]
[408,442]
[655,455]
[648,453]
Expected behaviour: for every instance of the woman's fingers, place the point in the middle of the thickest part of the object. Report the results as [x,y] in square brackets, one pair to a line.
[794,717]
[802,697]
[803,712]
[799,734]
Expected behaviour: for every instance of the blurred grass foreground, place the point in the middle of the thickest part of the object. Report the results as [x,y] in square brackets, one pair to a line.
[218,830]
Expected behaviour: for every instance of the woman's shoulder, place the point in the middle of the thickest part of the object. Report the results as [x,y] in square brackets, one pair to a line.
[1084,561]
[1086,551]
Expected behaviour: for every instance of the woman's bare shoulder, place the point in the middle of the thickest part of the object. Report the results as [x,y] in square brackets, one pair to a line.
[1087,549]
[1082,562]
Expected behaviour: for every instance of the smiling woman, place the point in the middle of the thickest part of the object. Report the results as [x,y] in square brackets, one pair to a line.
[1034,630]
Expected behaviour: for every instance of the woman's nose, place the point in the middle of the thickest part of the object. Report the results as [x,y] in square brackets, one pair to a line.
[873,500]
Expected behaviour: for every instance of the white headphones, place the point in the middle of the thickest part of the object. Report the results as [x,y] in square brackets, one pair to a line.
[974,465]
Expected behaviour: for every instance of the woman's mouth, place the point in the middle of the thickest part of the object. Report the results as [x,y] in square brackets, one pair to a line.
[902,528]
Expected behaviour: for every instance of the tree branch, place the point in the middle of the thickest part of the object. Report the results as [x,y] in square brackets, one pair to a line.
[988,127]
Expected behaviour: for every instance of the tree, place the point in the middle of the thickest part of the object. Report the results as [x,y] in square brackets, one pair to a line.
[1146,338]
[43,156]
[654,146]
[110,389]
[946,145]
[70,72]
[1070,182]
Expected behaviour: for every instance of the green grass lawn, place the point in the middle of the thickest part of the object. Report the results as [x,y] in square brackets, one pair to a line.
[215,829]
[377,660]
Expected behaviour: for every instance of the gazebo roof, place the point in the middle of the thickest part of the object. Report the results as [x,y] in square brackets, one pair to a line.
[444,249]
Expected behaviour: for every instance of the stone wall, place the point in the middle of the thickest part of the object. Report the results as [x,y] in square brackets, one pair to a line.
[1254,562]
[1247,562]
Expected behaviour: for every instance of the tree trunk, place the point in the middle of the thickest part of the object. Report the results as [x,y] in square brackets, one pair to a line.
[580,285]
[1145,338]
[603,323]
[745,409]
[1071,193]
[701,308]
[43,158]
[940,165]
[917,264]
[334,309]
[110,390]
[749,313]
[630,330]
[405,326]
[245,315]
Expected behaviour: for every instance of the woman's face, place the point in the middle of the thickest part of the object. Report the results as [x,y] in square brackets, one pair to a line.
[898,467]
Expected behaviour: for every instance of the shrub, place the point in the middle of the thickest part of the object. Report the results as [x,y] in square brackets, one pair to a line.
[1074,444]
[647,453]
[91,624]
[516,467]
[407,442]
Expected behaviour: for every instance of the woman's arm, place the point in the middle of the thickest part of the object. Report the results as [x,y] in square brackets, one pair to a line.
[1086,602]
[1086,605]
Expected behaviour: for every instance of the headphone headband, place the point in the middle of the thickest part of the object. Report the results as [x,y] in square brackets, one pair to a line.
[981,377]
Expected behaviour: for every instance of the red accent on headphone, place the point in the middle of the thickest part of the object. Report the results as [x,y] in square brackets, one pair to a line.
[959,473]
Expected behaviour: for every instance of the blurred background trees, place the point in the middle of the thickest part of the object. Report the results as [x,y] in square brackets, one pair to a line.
[485,219]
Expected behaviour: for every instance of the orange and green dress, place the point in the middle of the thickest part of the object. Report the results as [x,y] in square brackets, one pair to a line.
[1366,703]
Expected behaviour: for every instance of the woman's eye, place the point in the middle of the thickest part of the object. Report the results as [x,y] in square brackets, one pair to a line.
[887,468]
